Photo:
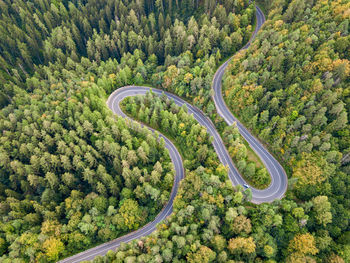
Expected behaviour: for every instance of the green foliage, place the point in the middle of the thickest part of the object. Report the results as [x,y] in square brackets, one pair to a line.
[40,32]
[246,161]
[179,125]
[290,88]
[72,176]
[65,159]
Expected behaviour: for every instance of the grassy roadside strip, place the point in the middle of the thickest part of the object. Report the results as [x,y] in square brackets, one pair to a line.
[278,157]
[256,180]
[220,124]
[251,155]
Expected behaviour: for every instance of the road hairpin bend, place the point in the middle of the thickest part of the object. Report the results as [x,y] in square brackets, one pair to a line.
[279,179]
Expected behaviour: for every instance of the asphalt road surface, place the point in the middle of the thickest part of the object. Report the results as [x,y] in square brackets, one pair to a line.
[113,103]
[275,190]
[279,180]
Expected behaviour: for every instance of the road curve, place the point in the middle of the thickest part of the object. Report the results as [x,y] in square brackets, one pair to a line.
[276,189]
[113,103]
[279,179]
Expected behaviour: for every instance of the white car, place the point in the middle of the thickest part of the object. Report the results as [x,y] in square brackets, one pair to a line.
[246,186]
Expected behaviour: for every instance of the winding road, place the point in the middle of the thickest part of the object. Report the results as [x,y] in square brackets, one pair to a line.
[275,190]
[279,180]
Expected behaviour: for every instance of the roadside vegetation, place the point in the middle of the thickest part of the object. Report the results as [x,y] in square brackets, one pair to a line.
[164,115]
[245,159]
[72,175]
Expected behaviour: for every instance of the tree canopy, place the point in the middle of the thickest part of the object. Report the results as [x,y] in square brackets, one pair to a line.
[72,175]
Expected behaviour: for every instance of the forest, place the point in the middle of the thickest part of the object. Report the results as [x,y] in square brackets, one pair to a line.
[73,176]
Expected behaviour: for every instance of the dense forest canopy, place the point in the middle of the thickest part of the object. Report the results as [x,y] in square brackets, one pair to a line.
[292,88]
[72,175]
[42,32]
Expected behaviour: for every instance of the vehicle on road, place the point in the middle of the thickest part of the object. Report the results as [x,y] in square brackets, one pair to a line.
[275,191]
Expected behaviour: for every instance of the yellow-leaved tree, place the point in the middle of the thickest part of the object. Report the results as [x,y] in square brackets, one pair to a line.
[301,248]
[241,245]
